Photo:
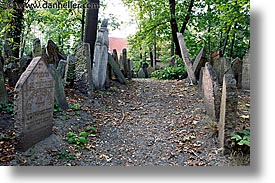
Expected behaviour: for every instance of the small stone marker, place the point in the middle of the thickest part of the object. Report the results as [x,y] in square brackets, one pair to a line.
[83,68]
[141,73]
[246,72]
[33,105]
[228,110]
[237,71]
[101,56]
[37,49]
[3,91]
[199,62]
[211,92]
[186,60]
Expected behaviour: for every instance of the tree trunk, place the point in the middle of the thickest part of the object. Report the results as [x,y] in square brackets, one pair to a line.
[174,26]
[232,42]
[82,24]
[187,17]
[12,41]
[91,25]
[226,39]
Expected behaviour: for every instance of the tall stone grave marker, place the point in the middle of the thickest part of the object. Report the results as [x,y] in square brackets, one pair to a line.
[3,91]
[62,67]
[101,56]
[83,68]
[186,60]
[33,104]
[211,92]
[246,72]
[228,110]
[199,62]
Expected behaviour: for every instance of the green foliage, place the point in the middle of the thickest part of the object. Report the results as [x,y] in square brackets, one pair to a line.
[66,155]
[74,107]
[242,137]
[80,140]
[56,108]
[90,128]
[169,73]
[8,108]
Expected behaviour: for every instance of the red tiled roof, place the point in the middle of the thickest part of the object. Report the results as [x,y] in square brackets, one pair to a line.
[117,43]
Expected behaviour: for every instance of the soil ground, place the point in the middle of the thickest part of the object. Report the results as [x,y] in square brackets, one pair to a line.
[147,122]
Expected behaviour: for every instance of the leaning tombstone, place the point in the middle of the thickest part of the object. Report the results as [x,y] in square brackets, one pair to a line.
[211,92]
[101,56]
[228,110]
[33,105]
[59,92]
[83,68]
[199,62]
[246,72]
[61,68]
[115,67]
[37,50]
[3,91]
[186,60]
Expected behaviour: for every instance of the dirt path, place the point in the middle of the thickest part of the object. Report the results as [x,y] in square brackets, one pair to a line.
[146,122]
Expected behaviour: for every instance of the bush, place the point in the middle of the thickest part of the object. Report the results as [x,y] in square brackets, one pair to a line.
[170,73]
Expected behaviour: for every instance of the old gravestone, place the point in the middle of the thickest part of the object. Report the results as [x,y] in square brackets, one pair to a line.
[211,92]
[186,60]
[115,67]
[59,92]
[200,80]
[37,50]
[222,66]
[216,55]
[83,68]
[199,62]
[101,56]
[237,71]
[61,68]
[246,72]
[3,91]
[33,105]
[70,74]
[228,110]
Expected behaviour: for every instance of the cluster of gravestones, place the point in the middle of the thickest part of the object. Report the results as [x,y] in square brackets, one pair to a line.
[44,78]
[219,81]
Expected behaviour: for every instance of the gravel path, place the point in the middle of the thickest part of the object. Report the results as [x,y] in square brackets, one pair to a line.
[144,123]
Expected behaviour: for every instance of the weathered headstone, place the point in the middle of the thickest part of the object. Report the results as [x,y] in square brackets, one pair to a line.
[33,105]
[199,62]
[12,73]
[101,56]
[3,91]
[216,55]
[141,73]
[59,92]
[144,67]
[222,66]
[200,80]
[150,70]
[228,110]
[61,68]
[83,69]
[246,72]
[237,71]
[129,75]
[54,54]
[186,60]
[70,74]
[115,67]
[211,92]
[115,57]
[37,50]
